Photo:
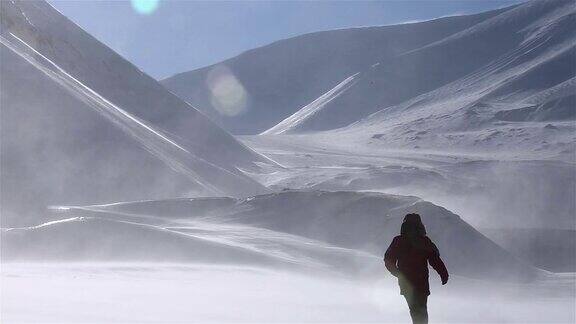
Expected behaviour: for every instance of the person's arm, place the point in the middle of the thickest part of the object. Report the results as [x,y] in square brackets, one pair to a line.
[437,263]
[391,258]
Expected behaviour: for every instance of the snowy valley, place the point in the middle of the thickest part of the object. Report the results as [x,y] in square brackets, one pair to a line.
[126,199]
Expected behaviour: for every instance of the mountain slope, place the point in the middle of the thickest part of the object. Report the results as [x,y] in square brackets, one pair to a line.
[508,57]
[55,149]
[280,78]
[81,124]
[520,105]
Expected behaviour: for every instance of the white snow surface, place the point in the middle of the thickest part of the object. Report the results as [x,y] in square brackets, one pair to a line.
[260,260]
[183,293]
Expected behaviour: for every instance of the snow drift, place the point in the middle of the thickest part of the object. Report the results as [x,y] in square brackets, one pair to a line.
[344,232]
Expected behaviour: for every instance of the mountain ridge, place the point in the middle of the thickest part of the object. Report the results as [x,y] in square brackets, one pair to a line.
[285,75]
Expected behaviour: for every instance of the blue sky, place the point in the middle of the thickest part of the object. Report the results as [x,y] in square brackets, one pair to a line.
[184,35]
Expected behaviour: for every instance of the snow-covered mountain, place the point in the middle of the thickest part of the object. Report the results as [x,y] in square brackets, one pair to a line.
[283,77]
[497,81]
[80,123]
[518,97]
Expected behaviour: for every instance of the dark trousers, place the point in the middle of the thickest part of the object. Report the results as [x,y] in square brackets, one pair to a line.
[418,308]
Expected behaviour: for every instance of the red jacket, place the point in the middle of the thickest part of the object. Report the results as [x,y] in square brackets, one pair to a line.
[408,260]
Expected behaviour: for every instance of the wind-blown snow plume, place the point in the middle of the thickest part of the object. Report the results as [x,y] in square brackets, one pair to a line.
[313,107]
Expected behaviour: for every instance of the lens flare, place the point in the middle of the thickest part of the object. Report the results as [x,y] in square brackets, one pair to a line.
[228,95]
[145,7]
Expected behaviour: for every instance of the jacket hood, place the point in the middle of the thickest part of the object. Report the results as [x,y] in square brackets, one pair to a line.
[412,226]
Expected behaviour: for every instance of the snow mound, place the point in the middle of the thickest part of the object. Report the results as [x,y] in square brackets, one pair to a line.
[342,229]
[100,238]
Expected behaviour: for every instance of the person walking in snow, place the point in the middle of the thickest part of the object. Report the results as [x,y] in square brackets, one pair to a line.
[407,258]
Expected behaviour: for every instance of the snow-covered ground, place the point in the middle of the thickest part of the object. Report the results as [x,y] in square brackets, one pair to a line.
[259,259]
[153,293]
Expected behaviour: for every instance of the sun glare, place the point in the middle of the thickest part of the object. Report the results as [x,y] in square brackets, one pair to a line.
[145,7]
[228,95]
